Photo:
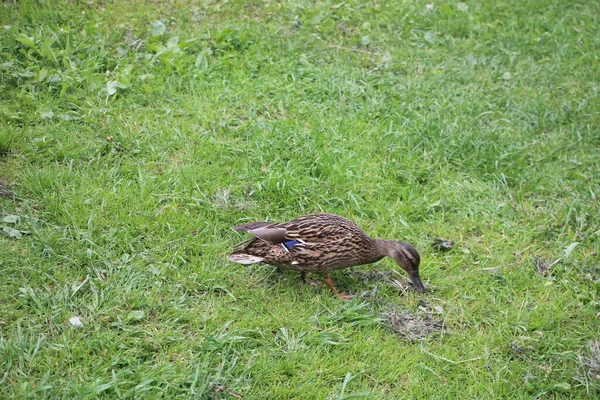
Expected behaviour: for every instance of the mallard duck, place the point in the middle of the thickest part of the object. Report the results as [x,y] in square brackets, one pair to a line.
[321,243]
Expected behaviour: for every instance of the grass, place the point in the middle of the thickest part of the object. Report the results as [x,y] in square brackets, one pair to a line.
[134,134]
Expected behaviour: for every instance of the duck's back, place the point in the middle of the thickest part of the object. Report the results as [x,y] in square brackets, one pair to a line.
[316,243]
[323,228]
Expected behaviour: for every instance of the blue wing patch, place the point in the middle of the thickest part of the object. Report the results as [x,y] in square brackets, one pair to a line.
[290,243]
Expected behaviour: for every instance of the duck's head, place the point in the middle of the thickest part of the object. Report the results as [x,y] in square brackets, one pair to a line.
[408,258]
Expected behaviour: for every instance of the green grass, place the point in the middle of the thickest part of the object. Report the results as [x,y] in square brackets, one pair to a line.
[128,147]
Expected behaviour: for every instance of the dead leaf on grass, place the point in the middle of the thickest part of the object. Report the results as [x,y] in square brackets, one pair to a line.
[216,387]
[389,278]
[369,276]
[541,265]
[442,244]
[4,191]
[409,326]
[591,361]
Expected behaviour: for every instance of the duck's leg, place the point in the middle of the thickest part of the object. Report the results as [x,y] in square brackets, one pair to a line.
[303,279]
[343,296]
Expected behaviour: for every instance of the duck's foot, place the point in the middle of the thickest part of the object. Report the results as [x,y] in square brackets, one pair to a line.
[343,296]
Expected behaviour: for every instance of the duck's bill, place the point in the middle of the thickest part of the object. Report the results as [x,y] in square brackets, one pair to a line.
[417,282]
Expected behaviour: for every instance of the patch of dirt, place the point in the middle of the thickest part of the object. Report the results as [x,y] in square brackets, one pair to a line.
[518,351]
[591,273]
[591,361]
[414,326]
[403,284]
[442,244]
[389,278]
[541,265]
[369,276]
[4,190]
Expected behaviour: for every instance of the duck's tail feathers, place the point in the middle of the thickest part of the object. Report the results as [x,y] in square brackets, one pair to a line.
[243,258]
[243,243]
[249,226]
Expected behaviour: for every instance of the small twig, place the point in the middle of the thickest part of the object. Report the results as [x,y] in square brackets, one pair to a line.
[81,285]
[236,395]
[555,262]
[524,250]
[498,267]
[397,273]
[448,360]
[222,389]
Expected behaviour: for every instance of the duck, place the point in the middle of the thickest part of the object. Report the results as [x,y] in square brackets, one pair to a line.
[320,244]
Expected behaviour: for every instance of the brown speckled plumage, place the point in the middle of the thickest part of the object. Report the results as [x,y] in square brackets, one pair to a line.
[320,243]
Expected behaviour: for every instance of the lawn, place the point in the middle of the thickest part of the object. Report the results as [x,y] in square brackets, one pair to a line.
[134,134]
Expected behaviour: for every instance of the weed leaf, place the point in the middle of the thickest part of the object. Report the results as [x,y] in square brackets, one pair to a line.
[570,249]
[11,219]
[157,28]
[136,315]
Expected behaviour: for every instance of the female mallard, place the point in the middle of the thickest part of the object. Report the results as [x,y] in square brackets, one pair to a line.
[321,243]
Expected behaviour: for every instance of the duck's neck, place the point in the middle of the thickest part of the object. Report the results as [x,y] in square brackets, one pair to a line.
[378,249]
[392,248]
[401,252]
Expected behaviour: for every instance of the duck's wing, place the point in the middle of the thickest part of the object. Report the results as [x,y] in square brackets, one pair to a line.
[268,231]
[316,228]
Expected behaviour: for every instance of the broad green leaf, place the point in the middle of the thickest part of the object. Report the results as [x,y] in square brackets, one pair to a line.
[112,86]
[201,61]
[42,74]
[11,219]
[172,42]
[562,387]
[12,233]
[462,7]
[136,315]
[430,37]
[157,28]
[46,114]
[569,249]
[26,40]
